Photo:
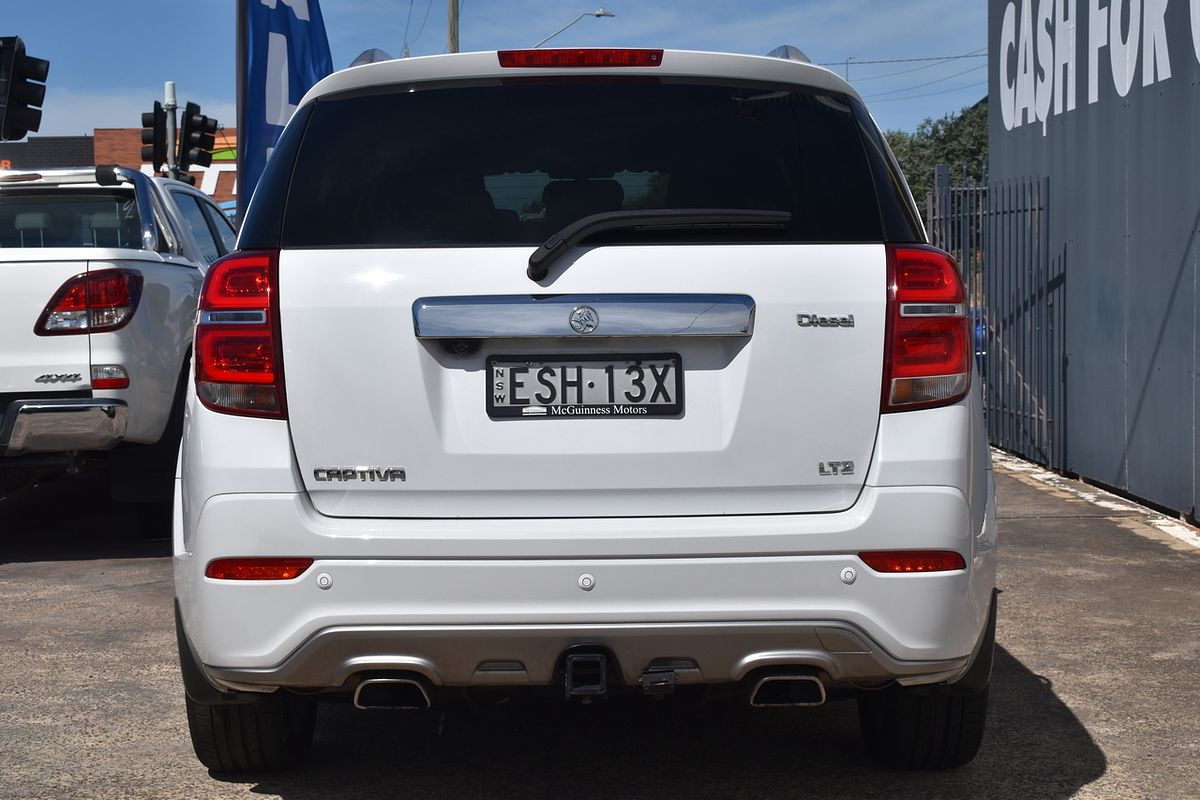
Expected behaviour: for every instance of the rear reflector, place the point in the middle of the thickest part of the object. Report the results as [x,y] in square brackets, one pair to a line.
[927,357]
[94,302]
[584,57]
[109,376]
[237,337]
[257,569]
[913,560]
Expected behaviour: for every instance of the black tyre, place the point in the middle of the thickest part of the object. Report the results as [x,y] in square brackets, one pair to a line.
[269,734]
[922,727]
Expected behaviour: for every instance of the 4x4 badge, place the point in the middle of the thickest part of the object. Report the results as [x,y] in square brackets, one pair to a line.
[584,319]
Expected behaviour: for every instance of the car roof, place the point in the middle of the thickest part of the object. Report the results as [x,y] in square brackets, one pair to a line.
[675,63]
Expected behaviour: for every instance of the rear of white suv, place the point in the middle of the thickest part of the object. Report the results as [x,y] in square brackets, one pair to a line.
[600,370]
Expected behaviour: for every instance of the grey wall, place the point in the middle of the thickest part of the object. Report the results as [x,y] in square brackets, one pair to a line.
[1124,205]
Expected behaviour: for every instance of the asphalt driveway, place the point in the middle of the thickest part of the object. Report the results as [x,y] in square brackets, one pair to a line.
[1095,692]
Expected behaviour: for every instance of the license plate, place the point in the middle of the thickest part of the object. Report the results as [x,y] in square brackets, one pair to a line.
[579,387]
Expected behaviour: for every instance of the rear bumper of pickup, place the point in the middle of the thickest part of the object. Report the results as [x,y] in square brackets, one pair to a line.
[57,426]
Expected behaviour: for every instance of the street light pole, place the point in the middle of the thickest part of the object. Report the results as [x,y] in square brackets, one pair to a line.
[452,44]
[599,12]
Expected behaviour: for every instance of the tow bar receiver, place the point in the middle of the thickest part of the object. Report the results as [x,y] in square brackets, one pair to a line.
[587,675]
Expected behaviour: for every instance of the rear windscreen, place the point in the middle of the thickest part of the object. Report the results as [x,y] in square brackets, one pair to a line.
[68,218]
[512,163]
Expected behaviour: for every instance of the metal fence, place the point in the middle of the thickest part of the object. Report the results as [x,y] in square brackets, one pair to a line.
[1000,235]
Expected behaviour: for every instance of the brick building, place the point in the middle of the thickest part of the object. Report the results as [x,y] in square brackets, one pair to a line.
[120,146]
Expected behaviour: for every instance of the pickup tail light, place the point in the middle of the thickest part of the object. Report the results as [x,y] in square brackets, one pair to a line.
[238,350]
[109,376]
[927,356]
[257,569]
[93,302]
[581,57]
[908,561]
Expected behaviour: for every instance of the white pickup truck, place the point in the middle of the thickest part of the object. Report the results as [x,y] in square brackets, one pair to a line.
[100,269]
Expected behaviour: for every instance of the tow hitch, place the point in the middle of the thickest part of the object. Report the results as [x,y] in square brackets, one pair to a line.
[587,675]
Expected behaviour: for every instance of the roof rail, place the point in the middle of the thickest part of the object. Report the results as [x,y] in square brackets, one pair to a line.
[790,53]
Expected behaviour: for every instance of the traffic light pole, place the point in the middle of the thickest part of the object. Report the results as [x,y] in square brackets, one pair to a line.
[169,107]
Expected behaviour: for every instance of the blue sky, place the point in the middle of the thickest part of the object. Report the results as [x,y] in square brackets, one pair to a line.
[109,58]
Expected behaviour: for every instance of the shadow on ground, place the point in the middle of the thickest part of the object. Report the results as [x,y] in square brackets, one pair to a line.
[1035,748]
[73,519]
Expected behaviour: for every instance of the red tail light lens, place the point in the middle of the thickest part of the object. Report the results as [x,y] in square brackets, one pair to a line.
[94,302]
[582,57]
[257,569]
[913,560]
[238,370]
[109,376]
[927,358]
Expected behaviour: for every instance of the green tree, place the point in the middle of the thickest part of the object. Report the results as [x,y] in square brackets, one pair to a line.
[958,139]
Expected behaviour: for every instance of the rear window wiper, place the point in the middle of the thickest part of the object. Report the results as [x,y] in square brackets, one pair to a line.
[648,219]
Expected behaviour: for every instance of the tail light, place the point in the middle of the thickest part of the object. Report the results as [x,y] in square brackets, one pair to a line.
[94,302]
[913,560]
[257,569]
[581,57]
[927,358]
[238,350]
[109,376]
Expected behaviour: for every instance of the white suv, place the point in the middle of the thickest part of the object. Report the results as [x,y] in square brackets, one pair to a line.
[599,370]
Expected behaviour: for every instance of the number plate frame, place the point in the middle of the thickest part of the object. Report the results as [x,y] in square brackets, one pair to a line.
[615,410]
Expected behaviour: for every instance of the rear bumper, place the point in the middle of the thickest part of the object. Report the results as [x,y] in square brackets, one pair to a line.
[486,602]
[56,426]
[529,655]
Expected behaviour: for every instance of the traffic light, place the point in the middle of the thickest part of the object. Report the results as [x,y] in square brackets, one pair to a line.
[154,136]
[196,138]
[22,89]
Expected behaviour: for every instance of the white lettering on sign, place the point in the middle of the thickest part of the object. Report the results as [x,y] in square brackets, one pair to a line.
[1044,86]
[1155,59]
[1008,91]
[1064,56]
[1195,7]
[1038,63]
[1025,68]
[1123,50]
[1097,38]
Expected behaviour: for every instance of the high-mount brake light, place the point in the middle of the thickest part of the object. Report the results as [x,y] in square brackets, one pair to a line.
[237,352]
[581,57]
[927,356]
[908,561]
[257,569]
[93,302]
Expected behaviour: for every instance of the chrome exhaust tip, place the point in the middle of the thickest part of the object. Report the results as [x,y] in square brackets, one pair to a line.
[398,694]
[774,691]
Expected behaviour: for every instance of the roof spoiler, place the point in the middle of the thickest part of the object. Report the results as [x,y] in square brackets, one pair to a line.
[790,53]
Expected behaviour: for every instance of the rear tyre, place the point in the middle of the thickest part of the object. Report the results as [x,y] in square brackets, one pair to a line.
[922,727]
[270,733]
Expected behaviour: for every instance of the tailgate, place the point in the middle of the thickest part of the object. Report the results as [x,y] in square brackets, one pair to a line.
[769,422]
[30,363]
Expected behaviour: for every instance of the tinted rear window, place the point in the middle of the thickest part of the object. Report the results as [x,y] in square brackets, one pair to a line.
[69,218]
[513,163]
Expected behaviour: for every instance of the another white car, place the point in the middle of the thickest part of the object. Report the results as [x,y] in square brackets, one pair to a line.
[602,370]
[100,268]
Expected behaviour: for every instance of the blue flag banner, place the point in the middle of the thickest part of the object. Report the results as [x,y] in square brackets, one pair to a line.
[282,52]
